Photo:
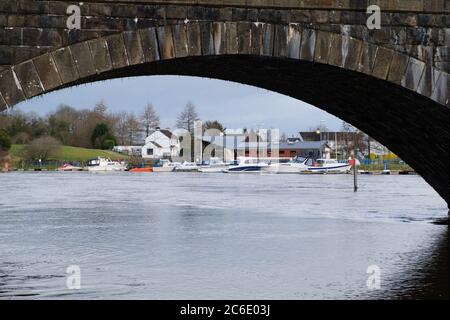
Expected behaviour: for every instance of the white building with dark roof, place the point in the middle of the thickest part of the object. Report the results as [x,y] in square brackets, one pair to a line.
[161,144]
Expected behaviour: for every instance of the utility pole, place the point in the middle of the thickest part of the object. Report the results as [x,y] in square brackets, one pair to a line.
[355,171]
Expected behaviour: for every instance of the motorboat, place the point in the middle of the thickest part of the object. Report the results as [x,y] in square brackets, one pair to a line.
[101,164]
[246,164]
[327,166]
[215,165]
[187,167]
[69,167]
[165,165]
[293,166]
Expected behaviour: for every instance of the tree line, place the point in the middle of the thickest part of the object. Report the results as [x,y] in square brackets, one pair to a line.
[96,128]
[87,128]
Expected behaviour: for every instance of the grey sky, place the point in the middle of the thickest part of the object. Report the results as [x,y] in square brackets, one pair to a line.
[233,104]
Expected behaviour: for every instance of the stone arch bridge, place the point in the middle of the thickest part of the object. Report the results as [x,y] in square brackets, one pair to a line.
[392,83]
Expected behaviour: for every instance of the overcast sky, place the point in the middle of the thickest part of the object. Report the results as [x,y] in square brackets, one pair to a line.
[233,104]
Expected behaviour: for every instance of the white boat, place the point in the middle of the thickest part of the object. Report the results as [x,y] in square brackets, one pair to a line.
[293,166]
[187,167]
[247,165]
[101,164]
[328,166]
[165,165]
[69,167]
[215,165]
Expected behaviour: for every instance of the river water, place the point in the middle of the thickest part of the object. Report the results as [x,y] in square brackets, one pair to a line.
[220,236]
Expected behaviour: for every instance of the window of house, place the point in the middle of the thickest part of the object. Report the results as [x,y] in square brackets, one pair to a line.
[149,152]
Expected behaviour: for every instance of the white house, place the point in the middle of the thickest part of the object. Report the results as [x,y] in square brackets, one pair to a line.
[160,144]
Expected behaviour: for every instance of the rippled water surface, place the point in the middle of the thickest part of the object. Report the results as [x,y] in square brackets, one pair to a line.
[220,236]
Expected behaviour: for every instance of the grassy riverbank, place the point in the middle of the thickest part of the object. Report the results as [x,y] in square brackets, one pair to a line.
[61,155]
[380,167]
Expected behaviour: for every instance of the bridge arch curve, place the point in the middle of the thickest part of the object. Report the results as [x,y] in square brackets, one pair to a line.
[397,99]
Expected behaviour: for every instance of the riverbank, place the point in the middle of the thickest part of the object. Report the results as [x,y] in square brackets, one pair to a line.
[61,155]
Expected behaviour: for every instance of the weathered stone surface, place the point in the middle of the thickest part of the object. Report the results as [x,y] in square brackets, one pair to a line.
[117,51]
[268,39]
[3,104]
[336,50]
[165,41]
[48,73]
[207,39]
[244,38]
[180,40]
[219,32]
[367,58]
[10,88]
[442,88]
[382,63]
[428,82]
[83,59]
[256,45]
[28,78]
[65,64]
[280,48]
[398,68]
[133,46]
[231,38]
[100,55]
[294,39]
[414,73]
[149,41]
[322,47]
[351,49]
[194,38]
[308,44]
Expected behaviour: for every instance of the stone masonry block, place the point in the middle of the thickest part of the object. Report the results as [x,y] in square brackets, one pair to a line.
[117,51]
[83,59]
[100,55]
[165,41]
[150,46]
[48,72]
[65,64]
[10,88]
[28,78]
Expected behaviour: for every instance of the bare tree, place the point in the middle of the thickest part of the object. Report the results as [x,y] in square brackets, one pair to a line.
[120,127]
[150,119]
[133,129]
[353,139]
[41,148]
[187,117]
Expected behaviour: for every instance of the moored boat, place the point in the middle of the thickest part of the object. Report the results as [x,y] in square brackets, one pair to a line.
[293,166]
[328,166]
[215,165]
[69,167]
[101,164]
[165,165]
[187,167]
[246,165]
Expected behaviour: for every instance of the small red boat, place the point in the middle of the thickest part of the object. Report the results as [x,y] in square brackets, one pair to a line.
[141,170]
